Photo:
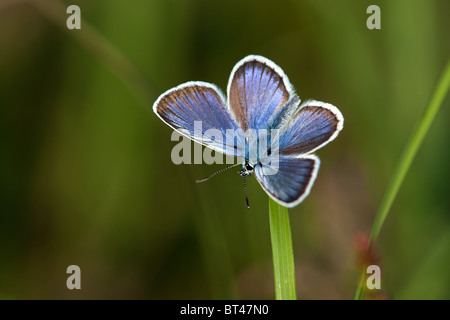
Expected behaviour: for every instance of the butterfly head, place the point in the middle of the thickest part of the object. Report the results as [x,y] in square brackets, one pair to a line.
[247,169]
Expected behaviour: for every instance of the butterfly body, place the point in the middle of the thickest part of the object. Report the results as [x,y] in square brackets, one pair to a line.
[247,170]
[260,121]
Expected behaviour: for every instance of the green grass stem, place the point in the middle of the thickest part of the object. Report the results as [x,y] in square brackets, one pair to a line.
[282,251]
[405,161]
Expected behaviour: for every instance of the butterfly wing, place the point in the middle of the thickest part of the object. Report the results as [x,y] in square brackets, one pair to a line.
[291,171]
[312,126]
[258,93]
[261,97]
[197,110]
[293,179]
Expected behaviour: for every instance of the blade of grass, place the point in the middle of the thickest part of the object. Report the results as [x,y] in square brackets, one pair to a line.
[283,254]
[405,161]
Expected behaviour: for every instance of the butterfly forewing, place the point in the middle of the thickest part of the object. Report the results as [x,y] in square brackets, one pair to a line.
[314,125]
[197,110]
[258,90]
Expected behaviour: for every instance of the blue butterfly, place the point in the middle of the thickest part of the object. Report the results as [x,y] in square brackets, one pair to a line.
[260,99]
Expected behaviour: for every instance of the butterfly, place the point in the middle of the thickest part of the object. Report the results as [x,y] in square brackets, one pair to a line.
[260,100]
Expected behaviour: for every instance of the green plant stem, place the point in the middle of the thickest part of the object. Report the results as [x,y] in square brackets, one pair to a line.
[405,161]
[283,254]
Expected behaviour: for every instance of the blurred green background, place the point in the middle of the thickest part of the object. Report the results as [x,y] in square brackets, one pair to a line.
[86,173]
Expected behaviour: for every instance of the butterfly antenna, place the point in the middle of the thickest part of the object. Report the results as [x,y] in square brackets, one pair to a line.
[222,170]
[245,190]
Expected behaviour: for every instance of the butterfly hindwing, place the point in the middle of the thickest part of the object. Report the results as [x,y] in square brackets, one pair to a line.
[292,181]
